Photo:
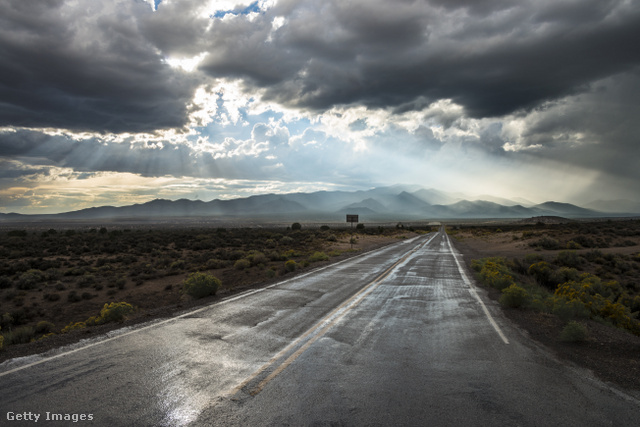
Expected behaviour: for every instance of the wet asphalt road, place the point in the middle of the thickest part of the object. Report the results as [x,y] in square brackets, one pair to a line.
[399,336]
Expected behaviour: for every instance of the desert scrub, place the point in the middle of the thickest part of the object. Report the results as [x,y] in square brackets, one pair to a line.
[542,271]
[44,327]
[114,312]
[200,285]
[514,297]
[30,279]
[573,332]
[604,300]
[21,335]
[493,272]
[242,264]
[290,265]
[318,256]
[73,326]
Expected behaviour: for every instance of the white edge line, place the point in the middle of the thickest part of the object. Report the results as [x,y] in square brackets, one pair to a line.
[475,294]
[189,313]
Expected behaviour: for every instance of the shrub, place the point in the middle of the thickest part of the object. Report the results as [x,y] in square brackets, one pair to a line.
[546,242]
[177,265]
[1,340]
[72,296]
[21,335]
[121,283]
[568,309]
[563,275]
[7,320]
[296,226]
[86,280]
[44,327]
[514,296]
[286,240]
[30,279]
[199,285]
[258,258]
[598,299]
[573,332]
[530,259]
[541,271]
[242,264]
[290,265]
[569,259]
[73,326]
[585,241]
[215,263]
[318,256]
[114,312]
[573,245]
[494,272]
[332,238]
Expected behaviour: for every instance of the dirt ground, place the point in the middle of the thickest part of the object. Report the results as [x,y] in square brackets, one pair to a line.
[611,354]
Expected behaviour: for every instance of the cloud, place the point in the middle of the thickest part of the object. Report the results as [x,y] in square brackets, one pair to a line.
[86,66]
[492,59]
[358,93]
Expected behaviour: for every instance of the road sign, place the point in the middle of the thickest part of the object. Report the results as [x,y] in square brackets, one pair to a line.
[352,218]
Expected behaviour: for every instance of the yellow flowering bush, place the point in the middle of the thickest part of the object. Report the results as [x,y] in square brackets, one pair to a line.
[114,312]
[493,272]
[605,300]
[73,326]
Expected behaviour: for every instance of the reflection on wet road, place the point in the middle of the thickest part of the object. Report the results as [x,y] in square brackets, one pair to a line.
[398,336]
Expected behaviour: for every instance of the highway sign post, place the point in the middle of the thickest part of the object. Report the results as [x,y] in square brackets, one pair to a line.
[352,219]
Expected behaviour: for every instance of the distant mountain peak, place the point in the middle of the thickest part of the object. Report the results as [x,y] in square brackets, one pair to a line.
[399,202]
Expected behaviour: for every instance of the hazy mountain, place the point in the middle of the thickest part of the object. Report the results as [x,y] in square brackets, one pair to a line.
[435,197]
[494,199]
[524,202]
[372,204]
[565,209]
[482,209]
[408,203]
[619,205]
[361,211]
[398,202]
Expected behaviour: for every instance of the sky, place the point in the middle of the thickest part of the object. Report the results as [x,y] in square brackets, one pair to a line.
[124,101]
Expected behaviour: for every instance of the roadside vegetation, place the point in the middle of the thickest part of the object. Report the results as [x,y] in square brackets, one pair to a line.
[55,281]
[572,271]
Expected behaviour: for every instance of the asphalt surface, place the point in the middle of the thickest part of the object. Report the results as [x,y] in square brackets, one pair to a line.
[398,336]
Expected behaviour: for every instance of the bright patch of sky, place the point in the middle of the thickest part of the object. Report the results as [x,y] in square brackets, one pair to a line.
[252,8]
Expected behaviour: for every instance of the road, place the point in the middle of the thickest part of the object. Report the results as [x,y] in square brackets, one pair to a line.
[398,336]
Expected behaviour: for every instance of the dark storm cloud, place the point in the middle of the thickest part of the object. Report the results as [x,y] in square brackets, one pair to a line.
[492,57]
[85,68]
[573,130]
[100,65]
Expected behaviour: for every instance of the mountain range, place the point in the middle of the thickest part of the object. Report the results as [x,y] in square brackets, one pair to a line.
[398,202]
